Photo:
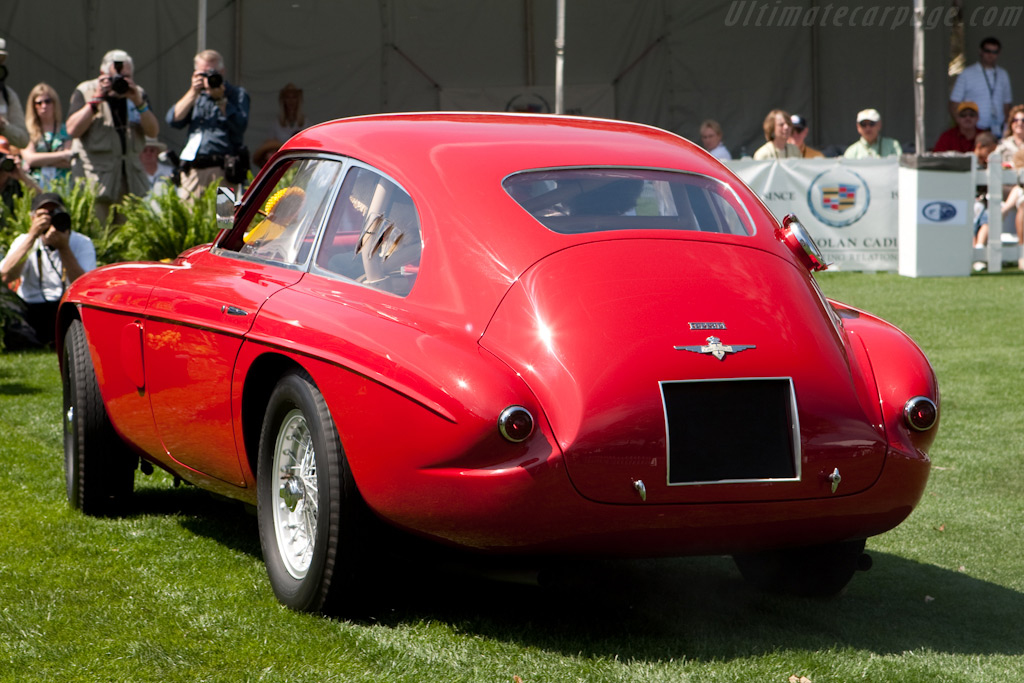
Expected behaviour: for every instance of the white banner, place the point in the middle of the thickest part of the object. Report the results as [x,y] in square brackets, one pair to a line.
[849,206]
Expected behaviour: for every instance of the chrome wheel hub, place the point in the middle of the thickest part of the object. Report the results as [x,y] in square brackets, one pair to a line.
[296,500]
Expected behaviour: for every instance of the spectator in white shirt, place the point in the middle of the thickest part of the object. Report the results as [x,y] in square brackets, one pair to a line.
[986,84]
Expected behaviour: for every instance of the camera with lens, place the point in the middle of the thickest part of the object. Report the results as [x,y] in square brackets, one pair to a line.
[61,220]
[6,163]
[213,79]
[119,84]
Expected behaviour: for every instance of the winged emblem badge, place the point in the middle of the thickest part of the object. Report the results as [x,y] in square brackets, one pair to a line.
[716,348]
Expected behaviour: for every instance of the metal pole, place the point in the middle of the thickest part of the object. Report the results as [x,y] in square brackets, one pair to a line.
[919,77]
[201,27]
[560,59]
[238,42]
[528,46]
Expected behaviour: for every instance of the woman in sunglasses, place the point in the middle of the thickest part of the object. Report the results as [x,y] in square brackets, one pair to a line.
[1013,142]
[49,150]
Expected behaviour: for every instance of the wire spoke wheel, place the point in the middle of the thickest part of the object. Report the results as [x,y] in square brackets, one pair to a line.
[297,501]
[311,518]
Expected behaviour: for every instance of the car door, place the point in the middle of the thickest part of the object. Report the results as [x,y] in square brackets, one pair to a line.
[198,314]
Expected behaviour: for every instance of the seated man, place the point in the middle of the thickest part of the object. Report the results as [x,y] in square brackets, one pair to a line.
[960,138]
[47,259]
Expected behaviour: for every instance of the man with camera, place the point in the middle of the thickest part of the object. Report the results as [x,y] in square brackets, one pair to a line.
[47,258]
[13,180]
[12,116]
[109,120]
[216,114]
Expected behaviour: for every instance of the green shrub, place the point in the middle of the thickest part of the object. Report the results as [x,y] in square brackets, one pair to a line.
[153,227]
[162,226]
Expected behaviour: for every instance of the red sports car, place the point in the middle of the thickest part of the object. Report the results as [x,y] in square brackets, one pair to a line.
[511,334]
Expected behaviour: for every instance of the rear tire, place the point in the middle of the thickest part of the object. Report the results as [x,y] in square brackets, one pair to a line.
[99,470]
[816,571]
[311,518]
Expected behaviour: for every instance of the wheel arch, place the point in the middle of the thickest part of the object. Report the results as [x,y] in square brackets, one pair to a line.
[261,378]
[66,314]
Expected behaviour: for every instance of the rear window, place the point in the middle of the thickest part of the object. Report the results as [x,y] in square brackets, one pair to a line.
[573,201]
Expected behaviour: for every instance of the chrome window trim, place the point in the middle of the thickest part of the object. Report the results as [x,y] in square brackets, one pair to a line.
[332,195]
[739,201]
[314,269]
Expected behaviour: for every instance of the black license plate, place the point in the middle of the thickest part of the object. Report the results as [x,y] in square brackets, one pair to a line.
[731,430]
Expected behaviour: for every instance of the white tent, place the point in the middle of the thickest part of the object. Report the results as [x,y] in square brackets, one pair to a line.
[670,63]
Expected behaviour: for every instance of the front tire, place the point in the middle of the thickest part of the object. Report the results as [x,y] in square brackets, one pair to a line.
[99,470]
[309,511]
[817,571]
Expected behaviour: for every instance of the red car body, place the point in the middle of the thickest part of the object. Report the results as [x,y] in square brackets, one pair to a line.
[606,336]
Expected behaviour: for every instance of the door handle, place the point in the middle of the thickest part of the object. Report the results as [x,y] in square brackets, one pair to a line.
[233,310]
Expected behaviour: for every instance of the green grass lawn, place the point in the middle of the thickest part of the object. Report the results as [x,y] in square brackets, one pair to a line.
[176,591]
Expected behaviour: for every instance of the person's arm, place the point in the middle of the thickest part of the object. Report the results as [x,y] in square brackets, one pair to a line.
[147,117]
[60,159]
[13,125]
[28,181]
[82,112]
[1011,200]
[181,112]
[14,261]
[73,267]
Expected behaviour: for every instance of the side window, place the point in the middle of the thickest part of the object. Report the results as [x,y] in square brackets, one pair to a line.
[285,225]
[373,234]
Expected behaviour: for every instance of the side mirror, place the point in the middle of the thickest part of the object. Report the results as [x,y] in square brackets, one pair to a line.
[227,204]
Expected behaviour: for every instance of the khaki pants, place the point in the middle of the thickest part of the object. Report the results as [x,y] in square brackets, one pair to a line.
[195,180]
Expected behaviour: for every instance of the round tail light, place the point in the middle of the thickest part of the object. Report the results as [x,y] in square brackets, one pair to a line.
[800,242]
[921,413]
[515,424]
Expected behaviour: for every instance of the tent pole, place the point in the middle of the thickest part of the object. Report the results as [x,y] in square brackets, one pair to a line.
[238,42]
[201,27]
[528,21]
[919,77]
[560,59]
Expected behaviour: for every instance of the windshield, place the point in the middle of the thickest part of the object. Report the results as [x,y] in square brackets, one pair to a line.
[573,201]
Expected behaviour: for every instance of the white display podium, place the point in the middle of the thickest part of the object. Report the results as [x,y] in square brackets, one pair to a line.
[936,215]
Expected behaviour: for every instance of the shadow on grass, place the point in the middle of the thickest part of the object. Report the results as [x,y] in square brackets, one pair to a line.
[700,609]
[228,522]
[18,389]
[655,610]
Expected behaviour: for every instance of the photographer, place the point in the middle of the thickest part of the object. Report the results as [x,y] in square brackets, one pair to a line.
[13,179]
[47,259]
[109,120]
[216,114]
[12,116]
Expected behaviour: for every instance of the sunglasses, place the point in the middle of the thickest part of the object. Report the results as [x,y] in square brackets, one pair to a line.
[43,100]
[968,112]
[1018,119]
[990,52]
[866,124]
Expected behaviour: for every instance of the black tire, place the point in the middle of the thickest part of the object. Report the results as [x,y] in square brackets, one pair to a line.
[816,571]
[317,507]
[99,470]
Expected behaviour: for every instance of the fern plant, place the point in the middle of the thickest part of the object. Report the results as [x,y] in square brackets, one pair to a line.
[161,226]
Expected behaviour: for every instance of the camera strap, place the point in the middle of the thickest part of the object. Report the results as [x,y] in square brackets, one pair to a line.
[40,248]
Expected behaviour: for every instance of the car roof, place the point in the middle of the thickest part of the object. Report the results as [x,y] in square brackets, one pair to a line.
[453,164]
[504,142]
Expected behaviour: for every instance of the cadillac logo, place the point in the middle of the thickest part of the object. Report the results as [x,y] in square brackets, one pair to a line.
[716,348]
[838,197]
